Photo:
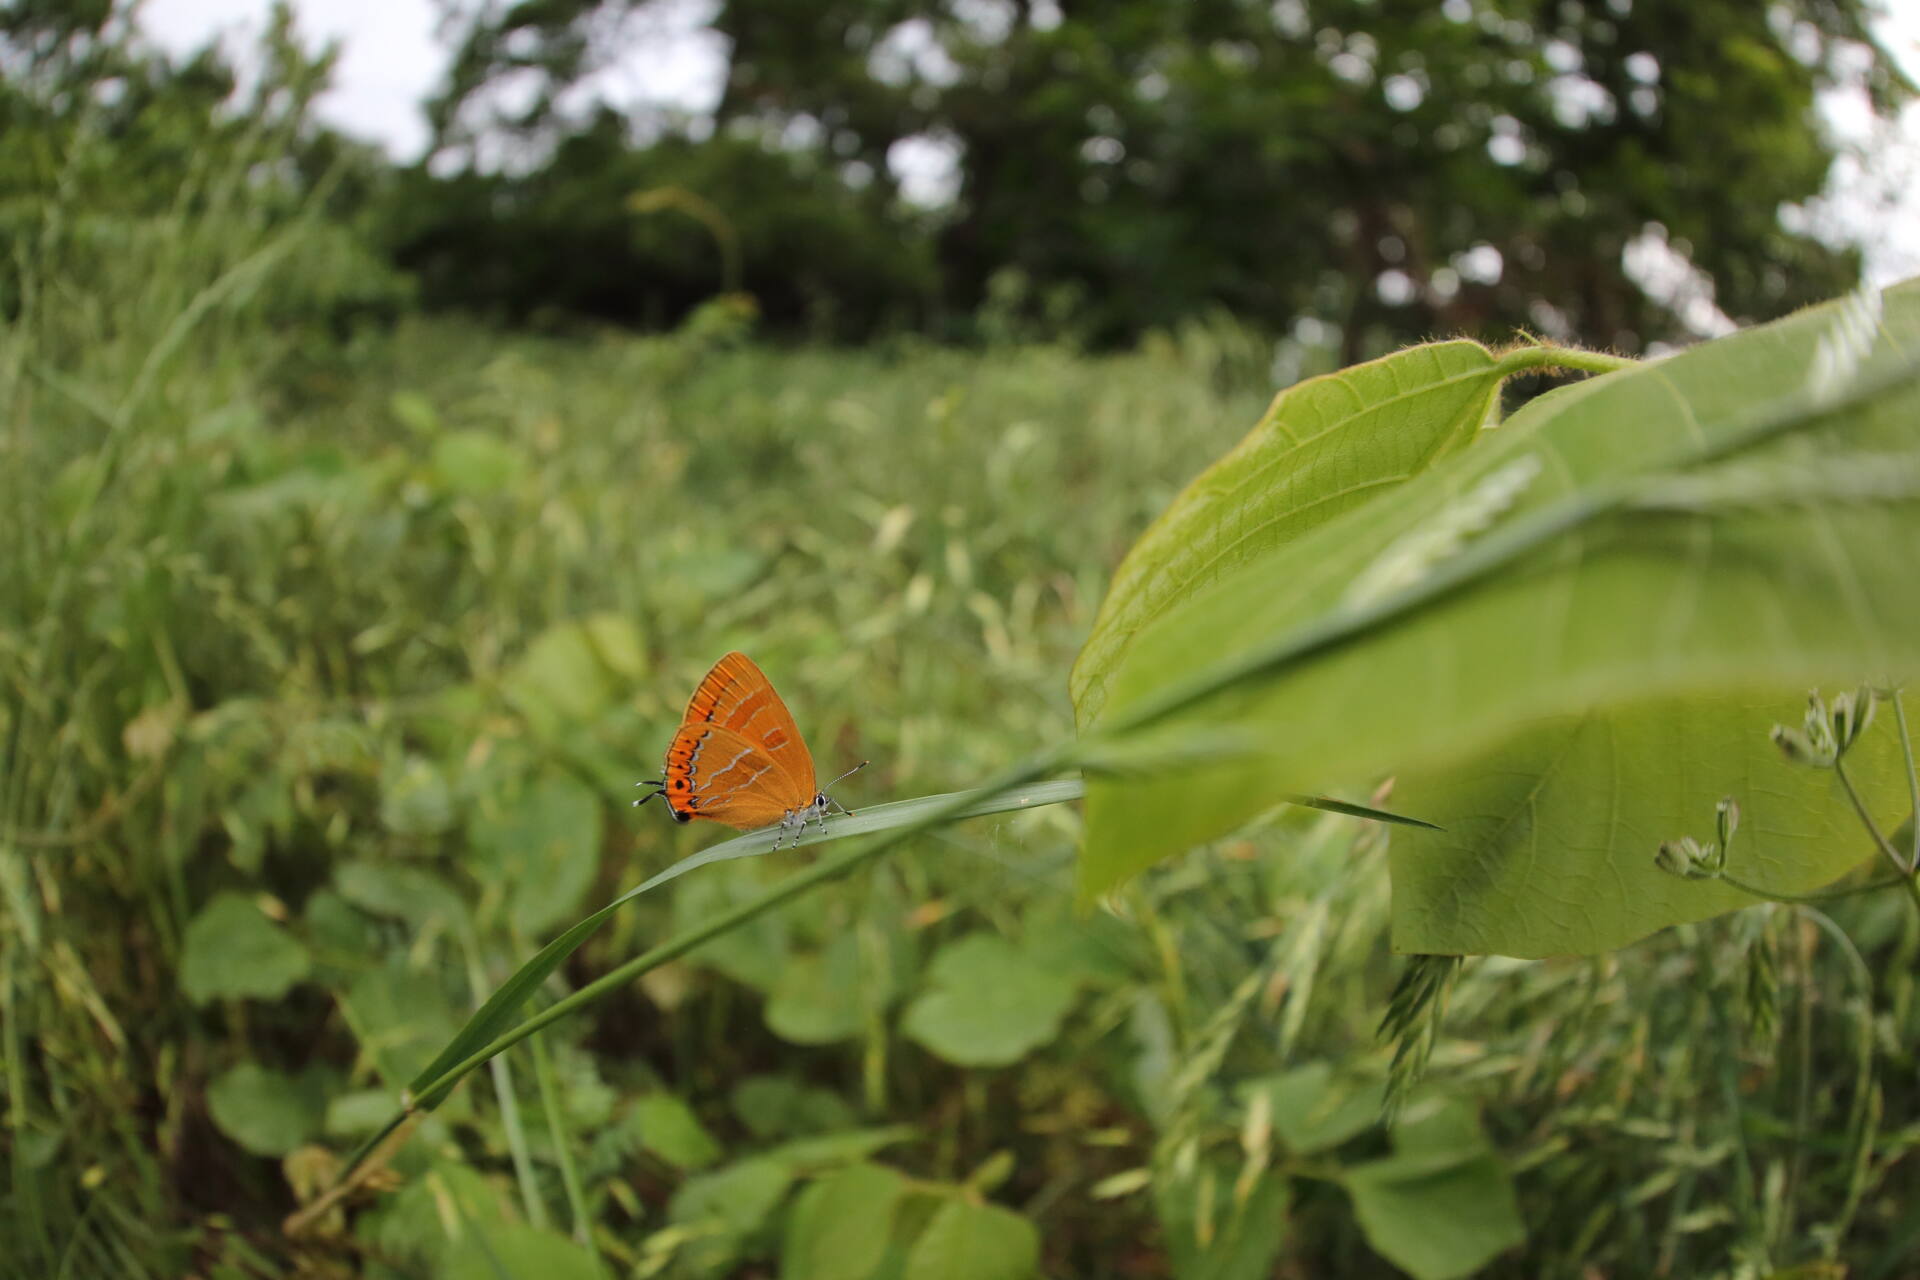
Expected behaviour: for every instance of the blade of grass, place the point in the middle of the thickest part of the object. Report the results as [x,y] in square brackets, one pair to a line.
[1019,788]
[1351,810]
[500,1008]
[1014,789]
[503,1090]
[26,1180]
[562,1145]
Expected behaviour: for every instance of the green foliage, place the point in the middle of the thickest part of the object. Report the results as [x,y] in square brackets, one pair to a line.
[987,1004]
[1325,446]
[1442,1205]
[487,1251]
[826,996]
[117,161]
[400,1016]
[974,1242]
[1125,166]
[724,1210]
[1314,1110]
[669,1128]
[841,1226]
[427,1217]
[232,951]
[266,640]
[1237,1240]
[1667,554]
[539,847]
[415,799]
[267,1112]
[575,671]
[587,235]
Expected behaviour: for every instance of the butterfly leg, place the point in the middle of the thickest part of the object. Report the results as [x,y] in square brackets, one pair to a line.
[792,823]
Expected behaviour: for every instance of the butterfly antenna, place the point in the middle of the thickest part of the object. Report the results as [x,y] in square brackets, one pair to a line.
[849,773]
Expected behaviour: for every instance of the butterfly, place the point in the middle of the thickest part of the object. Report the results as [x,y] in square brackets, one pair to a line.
[738,758]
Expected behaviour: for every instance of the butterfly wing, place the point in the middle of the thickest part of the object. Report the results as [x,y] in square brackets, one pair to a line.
[737,696]
[713,772]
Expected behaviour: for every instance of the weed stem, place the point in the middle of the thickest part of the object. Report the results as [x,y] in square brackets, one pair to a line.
[1873,829]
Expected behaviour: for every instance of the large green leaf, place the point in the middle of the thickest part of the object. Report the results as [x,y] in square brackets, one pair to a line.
[476,464]
[430,1213]
[669,1128]
[1720,529]
[839,1227]
[538,847]
[1547,838]
[734,1200]
[975,1242]
[1314,1110]
[414,798]
[1323,447]
[574,670]
[833,995]
[490,1250]
[413,894]
[1443,1205]
[233,951]
[265,1111]
[988,1004]
[779,1106]
[825,1151]
[398,1014]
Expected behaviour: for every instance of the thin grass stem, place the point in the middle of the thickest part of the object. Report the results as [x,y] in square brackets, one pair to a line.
[1873,829]
[1913,781]
[1821,895]
[435,1090]
[1865,1112]
[562,1143]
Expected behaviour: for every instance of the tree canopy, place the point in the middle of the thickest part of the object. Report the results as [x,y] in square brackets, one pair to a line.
[1389,166]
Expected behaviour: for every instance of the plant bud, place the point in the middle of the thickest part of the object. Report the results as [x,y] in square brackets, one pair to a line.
[1727,818]
[1797,747]
[1852,713]
[1682,857]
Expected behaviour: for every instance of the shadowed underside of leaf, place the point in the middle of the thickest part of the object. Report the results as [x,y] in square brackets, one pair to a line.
[1684,625]
[1547,840]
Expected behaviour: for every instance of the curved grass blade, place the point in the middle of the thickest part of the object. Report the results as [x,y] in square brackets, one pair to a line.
[1018,788]
[1352,810]
[493,1016]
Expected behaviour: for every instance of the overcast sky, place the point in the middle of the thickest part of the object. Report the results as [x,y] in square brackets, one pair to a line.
[390,59]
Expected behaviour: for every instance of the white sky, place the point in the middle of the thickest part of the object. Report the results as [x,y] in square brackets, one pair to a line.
[390,60]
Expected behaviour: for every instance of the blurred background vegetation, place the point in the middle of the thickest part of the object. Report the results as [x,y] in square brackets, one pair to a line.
[366,525]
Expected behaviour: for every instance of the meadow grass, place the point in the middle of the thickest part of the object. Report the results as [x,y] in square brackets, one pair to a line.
[331,659]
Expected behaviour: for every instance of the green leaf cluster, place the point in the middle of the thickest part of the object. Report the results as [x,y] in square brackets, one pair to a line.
[1128,166]
[1567,642]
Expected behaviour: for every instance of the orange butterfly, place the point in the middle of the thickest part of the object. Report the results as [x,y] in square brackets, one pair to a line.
[738,757]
